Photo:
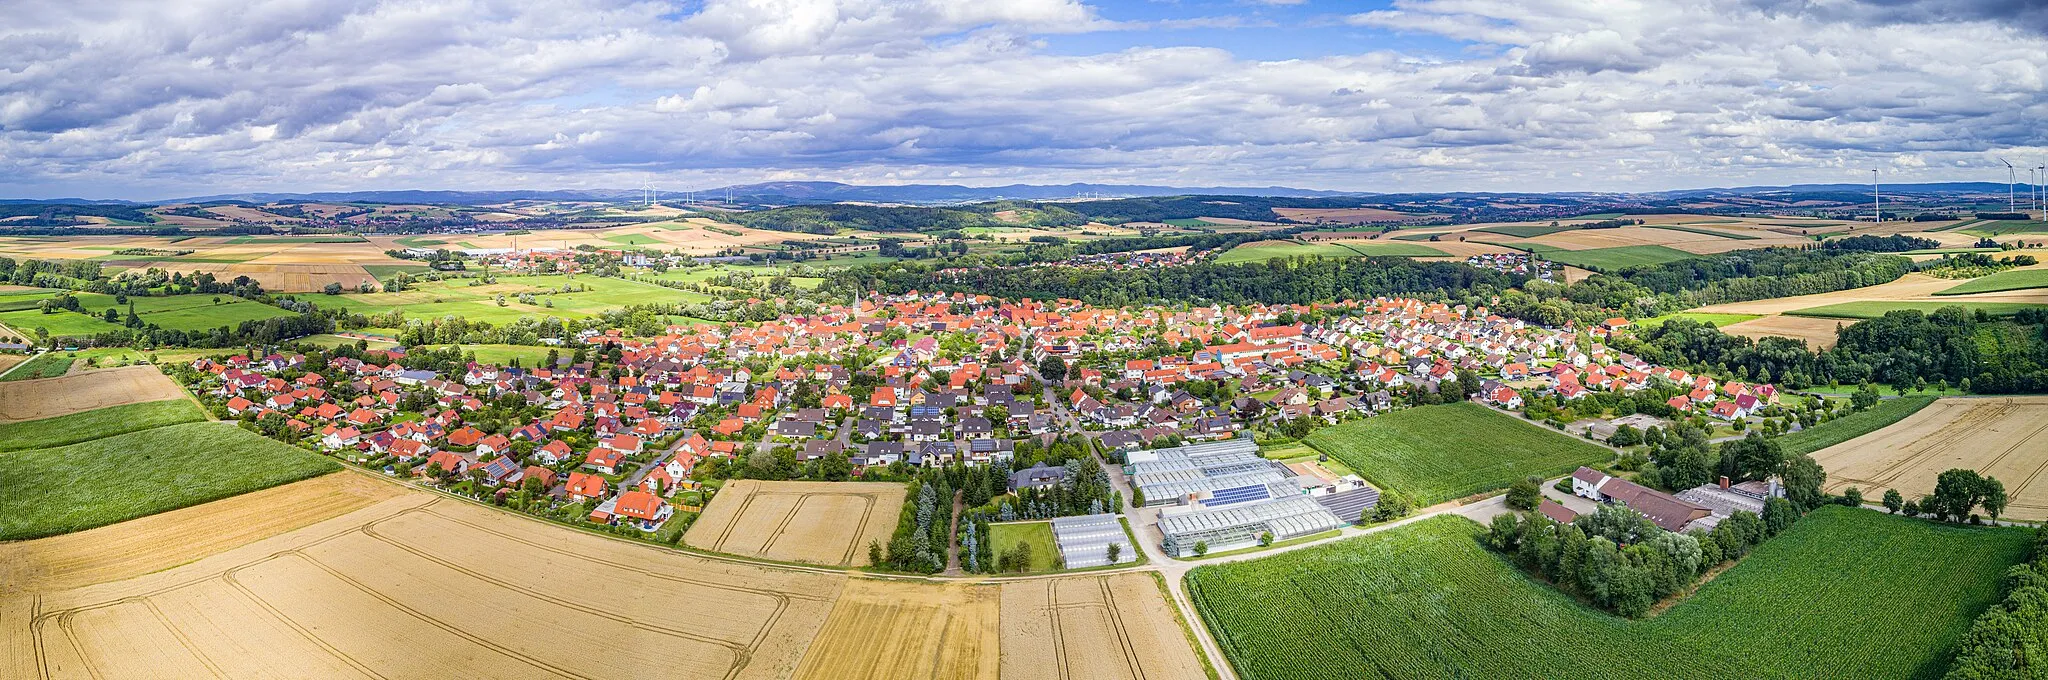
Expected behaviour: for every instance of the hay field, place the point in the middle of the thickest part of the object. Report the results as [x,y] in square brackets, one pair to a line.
[52,397]
[1115,626]
[1817,332]
[2004,437]
[815,522]
[899,629]
[420,587]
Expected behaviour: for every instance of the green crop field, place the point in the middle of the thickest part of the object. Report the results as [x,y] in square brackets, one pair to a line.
[1871,309]
[1609,259]
[47,365]
[1527,231]
[1191,222]
[1718,319]
[77,487]
[1036,534]
[1707,232]
[2014,279]
[97,423]
[1414,237]
[1266,251]
[1846,593]
[633,239]
[1440,453]
[435,299]
[385,271]
[1854,425]
[2005,227]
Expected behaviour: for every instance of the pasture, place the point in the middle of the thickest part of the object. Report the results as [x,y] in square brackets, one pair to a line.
[1439,453]
[1846,593]
[99,482]
[587,296]
[2004,437]
[816,522]
[97,423]
[174,312]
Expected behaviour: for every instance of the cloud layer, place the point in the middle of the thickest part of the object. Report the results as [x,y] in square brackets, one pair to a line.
[146,99]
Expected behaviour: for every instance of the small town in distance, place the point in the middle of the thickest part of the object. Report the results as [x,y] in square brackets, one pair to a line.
[1034,340]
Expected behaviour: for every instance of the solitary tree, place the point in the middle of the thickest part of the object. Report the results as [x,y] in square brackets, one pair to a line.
[1201,548]
[1115,550]
[1893,501]
[1526,494]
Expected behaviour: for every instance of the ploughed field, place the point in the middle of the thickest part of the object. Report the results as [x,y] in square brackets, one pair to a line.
[1846,593]
[349,576]
[1440,453]
[2004,437]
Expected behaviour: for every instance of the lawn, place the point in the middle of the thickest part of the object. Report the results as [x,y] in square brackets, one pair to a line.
[1439,453]
[72,488]
[1036,534]
[1853,425]
[1610,259]
[97,423]
[46,365]
[588,296]
[528,356]
[1718,319]
[1845,593]
[2013,279]
[1871,309]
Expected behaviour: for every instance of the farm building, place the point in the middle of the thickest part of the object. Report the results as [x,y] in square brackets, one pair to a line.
[1666,510]
[1084,541]
[1239,525]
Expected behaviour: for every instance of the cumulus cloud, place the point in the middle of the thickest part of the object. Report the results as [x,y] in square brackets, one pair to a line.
[146,99]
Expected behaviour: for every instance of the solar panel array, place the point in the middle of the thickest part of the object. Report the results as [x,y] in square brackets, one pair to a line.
[1235,495]
[1349,505]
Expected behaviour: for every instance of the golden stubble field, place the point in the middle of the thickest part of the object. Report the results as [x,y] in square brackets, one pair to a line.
[2004,437]
[51,397]
[817,522]
[351,576]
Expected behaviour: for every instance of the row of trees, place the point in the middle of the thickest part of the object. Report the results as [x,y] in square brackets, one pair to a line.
[1958,493]
[2009,639]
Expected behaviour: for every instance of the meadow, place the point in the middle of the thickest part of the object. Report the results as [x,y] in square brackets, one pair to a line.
[1718,319]
[1445,452]
[1265,250]
[1871,309]
[1845,593]
[99,482]
[588,297]
[90,425]
[2012,279]
[1528,230]
[175,312]
[1854,425]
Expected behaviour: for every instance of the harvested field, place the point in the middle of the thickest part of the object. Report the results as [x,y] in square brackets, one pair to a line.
[1917,287]
[421,587]
[896,629]
[52,397]
[2004,437]
[1345,215]
[816,522]
[1116,626]
[281,276]
[8,361]
[1817,332]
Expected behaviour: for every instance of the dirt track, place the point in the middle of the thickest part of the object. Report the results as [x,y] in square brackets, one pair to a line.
[2004,437]
[51,397]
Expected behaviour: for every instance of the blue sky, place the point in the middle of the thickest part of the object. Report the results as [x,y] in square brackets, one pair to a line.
[143,99]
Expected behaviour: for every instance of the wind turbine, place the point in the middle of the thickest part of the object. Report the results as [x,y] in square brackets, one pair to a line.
[2011,195]
[1876,208]
[2043,184]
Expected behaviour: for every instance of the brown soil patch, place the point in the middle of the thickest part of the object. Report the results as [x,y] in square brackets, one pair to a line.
[816,522]
[1818,333]
[419,586]
[8,361]
[2004,437]
[897,629]
[169,539]
[1116,626]
[51,397]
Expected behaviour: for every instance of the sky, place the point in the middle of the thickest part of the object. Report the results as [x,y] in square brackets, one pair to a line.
[145,99]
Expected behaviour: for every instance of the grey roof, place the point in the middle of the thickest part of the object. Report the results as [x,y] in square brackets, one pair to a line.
[1084,541]
[1285,517]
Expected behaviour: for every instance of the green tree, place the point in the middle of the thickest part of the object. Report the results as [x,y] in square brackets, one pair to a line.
[1864,398]
[1053,369]
[1201,548]
[1994,499]
[1893,502]
[1526,493]
[1956,491]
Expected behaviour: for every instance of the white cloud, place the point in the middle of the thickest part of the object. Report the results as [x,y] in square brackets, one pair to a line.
[147,99]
